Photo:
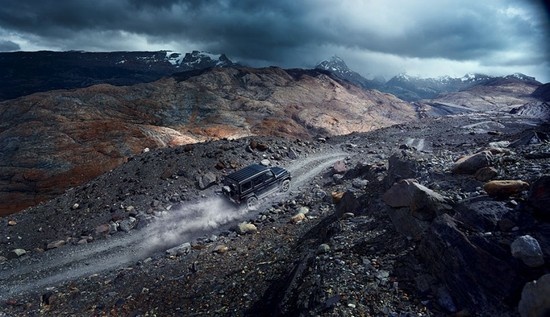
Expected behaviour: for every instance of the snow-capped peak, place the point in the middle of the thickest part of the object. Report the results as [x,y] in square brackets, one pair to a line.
[474,77]
[334,64]
[521,76]
[197,60]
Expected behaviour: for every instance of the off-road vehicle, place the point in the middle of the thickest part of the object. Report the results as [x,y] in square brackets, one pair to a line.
[254,182]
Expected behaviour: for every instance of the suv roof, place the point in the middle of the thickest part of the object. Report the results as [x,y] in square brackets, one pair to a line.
[247,172]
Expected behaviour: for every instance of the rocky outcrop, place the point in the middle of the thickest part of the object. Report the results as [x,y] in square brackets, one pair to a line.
[478,273]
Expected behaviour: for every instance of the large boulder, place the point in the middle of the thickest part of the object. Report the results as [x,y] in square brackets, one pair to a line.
[206,180]
[505,188]
[406,224]
[482,213]
[472,163]
[349,202]
[359,170]
[479,273]
[403,165]
[424,203]
[413,207]
[339,167]
[535,299]
[539,198]
[485,174]
[527,249]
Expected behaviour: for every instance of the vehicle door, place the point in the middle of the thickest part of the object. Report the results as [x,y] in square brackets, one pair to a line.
[264,183]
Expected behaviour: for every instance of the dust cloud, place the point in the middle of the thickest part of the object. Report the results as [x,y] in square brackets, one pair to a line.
[189,222]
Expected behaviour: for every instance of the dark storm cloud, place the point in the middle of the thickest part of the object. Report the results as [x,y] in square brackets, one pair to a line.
[492,32]
[7,46]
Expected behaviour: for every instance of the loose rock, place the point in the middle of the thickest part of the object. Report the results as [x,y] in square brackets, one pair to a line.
[103,229]
[245,227]
[528,250]
[299,217]
[486,174]
[55,244]
[19,252]
[323,248]
[403,165]
[339,167]
[207,180]
[221,248]
[348,203]
[337,196]
[505,188]
[128,224]
[181,249]
[472,163]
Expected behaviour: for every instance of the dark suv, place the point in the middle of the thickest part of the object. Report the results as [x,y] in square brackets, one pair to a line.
[254,182]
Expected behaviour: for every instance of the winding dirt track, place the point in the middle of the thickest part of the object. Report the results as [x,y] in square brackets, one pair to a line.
[193,220]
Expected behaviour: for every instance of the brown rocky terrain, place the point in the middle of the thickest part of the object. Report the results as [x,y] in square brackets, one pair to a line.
[55,140]
[432,218]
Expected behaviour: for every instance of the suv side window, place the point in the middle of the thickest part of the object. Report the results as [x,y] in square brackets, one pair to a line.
[246,186]
[263,178]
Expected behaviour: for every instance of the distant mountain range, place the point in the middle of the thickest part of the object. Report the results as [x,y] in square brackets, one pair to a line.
[24,73]
[412,88]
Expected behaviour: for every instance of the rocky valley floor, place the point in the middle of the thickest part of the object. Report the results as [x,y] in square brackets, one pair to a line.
[154,237]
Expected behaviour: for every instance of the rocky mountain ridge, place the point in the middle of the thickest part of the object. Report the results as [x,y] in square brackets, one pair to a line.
[55,140]
[25,73]
[336,66]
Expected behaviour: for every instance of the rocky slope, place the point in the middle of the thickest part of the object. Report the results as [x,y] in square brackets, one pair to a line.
[399,221]
[24,73]
[497,94]
[56,140]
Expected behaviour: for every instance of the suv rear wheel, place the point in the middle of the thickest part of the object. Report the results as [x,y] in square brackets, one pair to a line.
[285,186]
[252,202]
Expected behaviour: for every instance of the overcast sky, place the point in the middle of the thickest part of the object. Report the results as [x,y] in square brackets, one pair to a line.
[375,37]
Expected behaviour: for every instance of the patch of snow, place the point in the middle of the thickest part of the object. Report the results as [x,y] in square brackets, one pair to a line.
[213,57]
[174,58]
[468,77]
